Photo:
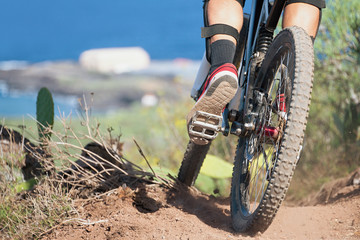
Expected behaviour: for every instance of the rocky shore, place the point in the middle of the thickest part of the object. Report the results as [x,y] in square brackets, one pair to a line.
[169,80]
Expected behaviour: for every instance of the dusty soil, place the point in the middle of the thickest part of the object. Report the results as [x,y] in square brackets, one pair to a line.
[156,212]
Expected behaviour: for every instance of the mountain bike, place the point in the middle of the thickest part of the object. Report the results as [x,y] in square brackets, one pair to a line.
[268,114]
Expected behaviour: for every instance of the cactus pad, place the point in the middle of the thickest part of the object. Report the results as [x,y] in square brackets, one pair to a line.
[44,113]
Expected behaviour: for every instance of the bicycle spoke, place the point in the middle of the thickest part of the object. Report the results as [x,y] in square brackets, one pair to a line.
[262,149]
[260,175]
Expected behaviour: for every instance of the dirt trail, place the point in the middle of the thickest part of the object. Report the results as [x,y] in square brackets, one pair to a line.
[154,212]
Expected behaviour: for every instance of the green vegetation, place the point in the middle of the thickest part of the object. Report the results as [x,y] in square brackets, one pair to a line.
[25,214]
[332,144]
[44,113]
[29,209]
[161,132]
[29,216]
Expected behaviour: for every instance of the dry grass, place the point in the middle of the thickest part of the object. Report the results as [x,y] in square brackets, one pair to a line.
[69,166]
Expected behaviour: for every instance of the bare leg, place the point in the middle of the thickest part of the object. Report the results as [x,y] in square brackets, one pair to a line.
[227,12]
[302,15]
[222,83]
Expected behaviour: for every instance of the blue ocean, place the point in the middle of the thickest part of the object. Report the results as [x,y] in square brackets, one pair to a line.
[43,30]
[40,30]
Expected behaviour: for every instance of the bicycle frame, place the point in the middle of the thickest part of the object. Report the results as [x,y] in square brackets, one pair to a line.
[267,17]
[272,101]
[264,13]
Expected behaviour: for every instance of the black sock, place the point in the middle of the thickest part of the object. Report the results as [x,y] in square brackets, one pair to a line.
[221,51]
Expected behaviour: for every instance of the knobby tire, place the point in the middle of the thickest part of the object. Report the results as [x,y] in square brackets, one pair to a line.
[253,209]
[192,162]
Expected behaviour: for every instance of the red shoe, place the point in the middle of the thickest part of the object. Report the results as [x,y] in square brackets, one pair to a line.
[220,87]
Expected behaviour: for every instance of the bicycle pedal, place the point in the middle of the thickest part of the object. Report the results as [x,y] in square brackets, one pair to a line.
[205,125]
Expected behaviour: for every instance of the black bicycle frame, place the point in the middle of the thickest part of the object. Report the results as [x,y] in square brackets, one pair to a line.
[274,15]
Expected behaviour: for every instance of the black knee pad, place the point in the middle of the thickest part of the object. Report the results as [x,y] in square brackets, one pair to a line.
[208,31]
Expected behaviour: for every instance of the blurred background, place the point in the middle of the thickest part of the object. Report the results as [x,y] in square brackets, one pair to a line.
[59,32]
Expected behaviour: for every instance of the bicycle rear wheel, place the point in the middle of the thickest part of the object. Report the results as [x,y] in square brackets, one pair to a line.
[192,162]
[265,161]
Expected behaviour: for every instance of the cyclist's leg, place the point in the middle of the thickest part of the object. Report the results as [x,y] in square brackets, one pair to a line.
[223,24]
[228,12]
[305,14]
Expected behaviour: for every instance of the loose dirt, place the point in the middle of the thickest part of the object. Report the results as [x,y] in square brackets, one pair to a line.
[156,212]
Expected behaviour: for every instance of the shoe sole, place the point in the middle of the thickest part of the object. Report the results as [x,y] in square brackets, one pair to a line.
[221,91]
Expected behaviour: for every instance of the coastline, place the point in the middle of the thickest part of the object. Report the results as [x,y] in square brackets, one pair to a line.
[69,81]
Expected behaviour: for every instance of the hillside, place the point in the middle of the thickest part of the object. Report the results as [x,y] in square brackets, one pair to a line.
[155,212]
